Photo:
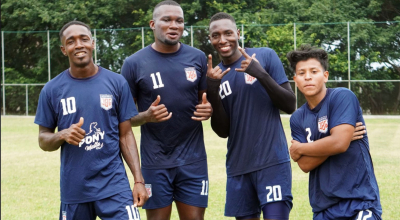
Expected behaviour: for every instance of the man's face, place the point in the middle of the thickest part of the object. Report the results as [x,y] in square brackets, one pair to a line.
[77,44]
[310,77]
[168,24]
[224,37]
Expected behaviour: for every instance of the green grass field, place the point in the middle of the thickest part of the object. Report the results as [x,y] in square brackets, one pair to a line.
[30,176]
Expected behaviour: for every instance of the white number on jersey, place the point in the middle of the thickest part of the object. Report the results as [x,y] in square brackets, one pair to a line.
[204,188]
[308,130]
[275,191]
[155,85]
[225,88]
[133,212]
[360,215]
[68,105]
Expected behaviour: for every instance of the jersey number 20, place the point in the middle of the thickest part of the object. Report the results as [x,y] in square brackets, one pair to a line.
[274,193]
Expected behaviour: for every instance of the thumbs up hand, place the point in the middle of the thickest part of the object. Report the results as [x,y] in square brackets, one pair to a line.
[156,112]
[203,110]
[74,134]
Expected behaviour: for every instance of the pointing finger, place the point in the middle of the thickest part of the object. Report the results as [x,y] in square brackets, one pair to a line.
[209,62]
[225,72]
[244,53]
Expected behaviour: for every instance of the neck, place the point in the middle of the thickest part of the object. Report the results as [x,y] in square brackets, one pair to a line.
[229,60]
[83,72]
[165,48]
[313,101]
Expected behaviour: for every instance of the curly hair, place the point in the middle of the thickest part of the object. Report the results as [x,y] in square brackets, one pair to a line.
[306,52]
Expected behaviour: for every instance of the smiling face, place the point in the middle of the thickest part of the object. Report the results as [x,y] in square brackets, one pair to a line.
[224,37]
[310,78]
[167,24]
[77,44]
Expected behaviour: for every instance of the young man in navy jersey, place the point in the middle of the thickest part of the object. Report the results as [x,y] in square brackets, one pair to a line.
[91,107]
[342,183]
[168,82]
[246,93]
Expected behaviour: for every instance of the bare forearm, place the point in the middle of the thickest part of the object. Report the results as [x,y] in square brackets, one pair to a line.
[139,119]
[327,146]
[50,141]
[307,163]
[131,156]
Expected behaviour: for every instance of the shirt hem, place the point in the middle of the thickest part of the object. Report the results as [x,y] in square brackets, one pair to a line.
[187,162]
[231,174]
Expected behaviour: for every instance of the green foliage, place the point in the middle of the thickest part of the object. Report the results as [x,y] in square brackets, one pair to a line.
[374,47]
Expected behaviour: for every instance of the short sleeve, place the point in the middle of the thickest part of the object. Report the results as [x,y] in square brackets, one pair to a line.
[45,114]
[127,108]
[203,79]
[297,130]
[128,72]
[343,108]
[274,67]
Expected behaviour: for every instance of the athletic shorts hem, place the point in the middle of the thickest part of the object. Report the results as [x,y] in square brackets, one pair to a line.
[191,204]
[158,207]
[241,215]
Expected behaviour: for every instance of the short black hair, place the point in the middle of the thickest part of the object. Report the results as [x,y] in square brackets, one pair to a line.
[306,52]
[166,2]
[220,16]
[73,23]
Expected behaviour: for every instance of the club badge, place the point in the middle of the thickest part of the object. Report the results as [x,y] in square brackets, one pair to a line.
[191,74]
[148,189]
[106,101]
[323,124]
[249,79]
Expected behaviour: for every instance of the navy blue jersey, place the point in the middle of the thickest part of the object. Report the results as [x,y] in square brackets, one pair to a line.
[348,175]
[177,78]
[256,137]
[93,170]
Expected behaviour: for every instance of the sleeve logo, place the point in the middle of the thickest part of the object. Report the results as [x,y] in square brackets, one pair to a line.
[106,101]
[191,74]
[323,124]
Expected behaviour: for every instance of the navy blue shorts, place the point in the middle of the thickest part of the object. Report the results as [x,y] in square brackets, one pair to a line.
[119,206]
[247,194]
[350,209]
[187,184]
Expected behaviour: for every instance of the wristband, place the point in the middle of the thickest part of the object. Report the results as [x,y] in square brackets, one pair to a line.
[140,182]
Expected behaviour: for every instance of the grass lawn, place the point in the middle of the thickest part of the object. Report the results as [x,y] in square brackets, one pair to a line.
[30,176]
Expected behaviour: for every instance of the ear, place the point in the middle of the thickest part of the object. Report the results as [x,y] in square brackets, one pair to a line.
[93,44]
[326,76]
[238,33]
[152,25]
[294,79]
[63,50]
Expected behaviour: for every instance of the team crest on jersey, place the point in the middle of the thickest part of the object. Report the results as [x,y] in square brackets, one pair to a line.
[148,189]
[249,79]
[191,74]
[106,101]
[93,139]
[64,215]
[323,124]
